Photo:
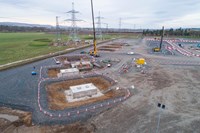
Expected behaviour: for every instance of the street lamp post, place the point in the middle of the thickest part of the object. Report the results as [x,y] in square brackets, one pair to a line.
[160,106]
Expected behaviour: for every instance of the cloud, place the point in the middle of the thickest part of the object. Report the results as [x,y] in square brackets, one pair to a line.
[143,13]
[187,21]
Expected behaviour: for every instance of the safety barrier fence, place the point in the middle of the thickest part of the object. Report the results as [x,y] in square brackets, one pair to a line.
[174,40]
[182,51]
[77,111]
[42,97]
[173,46]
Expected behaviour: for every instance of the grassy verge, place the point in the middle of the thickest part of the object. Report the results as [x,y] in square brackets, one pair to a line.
[19,46]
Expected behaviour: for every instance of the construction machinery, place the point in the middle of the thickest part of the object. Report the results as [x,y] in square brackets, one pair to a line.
[158,49]
[140,61]
[83,52]
[94,52]
[180,45]
[33,73]
[197,47]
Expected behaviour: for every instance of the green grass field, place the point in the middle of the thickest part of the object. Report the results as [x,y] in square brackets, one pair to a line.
[18,46]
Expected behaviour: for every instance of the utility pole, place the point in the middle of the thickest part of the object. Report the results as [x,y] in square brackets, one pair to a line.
[58,37]
[161,107]
[99,30]
[162,35]
[73,20]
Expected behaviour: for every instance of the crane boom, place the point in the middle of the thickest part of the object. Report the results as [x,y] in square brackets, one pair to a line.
[94,53]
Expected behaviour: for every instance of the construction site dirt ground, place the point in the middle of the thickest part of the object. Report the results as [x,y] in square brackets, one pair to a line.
[57,98]
[175,86]
[15,119]
[110,47]
[72,58]
[53,72]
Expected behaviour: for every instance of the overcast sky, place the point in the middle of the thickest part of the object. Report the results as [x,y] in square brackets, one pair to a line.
[134,13]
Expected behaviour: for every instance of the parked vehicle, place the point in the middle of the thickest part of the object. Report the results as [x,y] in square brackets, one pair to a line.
[33,73]
[130,53]
[57,62]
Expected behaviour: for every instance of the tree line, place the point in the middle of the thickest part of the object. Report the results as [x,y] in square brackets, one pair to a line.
[173,32]
[4,28]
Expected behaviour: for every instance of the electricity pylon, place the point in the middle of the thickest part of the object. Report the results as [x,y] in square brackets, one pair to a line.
[99,30]
[73,31]
[58,36]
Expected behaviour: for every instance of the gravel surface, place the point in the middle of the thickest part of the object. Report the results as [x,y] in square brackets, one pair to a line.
[172,80]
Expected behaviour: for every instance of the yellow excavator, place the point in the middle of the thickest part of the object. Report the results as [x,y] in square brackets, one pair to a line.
[94,52]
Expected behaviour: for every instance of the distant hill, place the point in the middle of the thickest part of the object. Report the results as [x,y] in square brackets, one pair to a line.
[24,24]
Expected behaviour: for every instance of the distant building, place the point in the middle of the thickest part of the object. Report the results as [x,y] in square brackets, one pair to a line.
[83,90]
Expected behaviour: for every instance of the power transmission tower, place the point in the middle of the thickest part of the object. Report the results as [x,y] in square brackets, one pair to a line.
[99,30]
[58,36]
[73,20]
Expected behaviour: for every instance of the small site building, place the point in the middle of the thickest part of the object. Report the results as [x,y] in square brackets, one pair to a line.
[77,64]
[68,72]
[83,90]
